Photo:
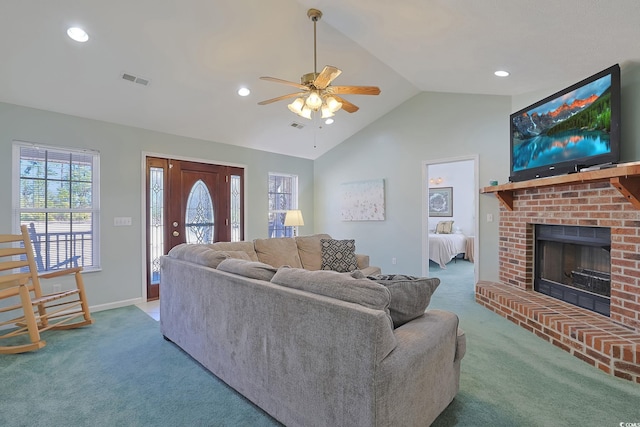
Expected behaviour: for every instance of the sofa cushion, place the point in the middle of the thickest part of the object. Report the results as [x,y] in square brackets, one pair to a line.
[310,251]
[410,295]
[204,255]
[246,247]
[332,284]
[339,255]
[252,269]
[278,252]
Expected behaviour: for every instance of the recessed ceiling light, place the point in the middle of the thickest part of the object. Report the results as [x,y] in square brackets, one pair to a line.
[243,91]
[78,34]
[329,121]
[501,73]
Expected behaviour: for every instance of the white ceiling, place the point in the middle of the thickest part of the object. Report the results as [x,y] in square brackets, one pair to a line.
[197,53]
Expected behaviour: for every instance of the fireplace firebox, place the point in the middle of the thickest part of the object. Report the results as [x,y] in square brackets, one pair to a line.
[573,264]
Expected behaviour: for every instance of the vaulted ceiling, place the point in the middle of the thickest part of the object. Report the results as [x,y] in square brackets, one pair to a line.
[196,54]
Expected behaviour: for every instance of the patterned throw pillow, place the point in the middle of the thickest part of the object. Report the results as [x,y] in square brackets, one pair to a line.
[444,227]
[339,255]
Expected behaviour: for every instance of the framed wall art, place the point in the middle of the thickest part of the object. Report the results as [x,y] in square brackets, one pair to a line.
[362,201]
[441,201]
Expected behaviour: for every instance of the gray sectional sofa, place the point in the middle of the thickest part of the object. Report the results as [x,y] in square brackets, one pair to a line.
[310,347]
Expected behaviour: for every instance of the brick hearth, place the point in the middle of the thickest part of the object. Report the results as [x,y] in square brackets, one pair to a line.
[611,344]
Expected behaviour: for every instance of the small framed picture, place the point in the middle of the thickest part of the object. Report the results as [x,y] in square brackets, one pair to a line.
[441,201]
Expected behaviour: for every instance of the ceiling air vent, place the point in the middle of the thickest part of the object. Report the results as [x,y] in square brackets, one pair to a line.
[296,125]
[135,79]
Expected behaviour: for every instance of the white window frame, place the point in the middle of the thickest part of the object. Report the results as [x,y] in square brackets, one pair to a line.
[283,231]
[95,263]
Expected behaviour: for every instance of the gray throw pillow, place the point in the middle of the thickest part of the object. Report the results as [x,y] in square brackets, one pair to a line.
[342,286]
[252,269]
[410,295]
[204,255]
[339,255]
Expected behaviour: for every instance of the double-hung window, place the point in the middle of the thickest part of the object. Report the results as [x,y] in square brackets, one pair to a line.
[283,196]
[56,195]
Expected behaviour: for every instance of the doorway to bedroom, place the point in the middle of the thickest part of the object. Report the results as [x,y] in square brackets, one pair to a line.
[450,212]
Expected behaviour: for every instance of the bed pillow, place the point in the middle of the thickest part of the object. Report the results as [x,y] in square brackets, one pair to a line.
[252,269]
[444,227]
[410,296]
[339,255]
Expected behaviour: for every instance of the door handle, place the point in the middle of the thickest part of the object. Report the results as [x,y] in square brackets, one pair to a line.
[176,234]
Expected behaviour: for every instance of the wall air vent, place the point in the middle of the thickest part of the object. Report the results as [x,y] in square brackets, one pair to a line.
[135,79]
[296,125]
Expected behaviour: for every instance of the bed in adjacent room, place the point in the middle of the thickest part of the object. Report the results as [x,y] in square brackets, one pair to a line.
[444,247]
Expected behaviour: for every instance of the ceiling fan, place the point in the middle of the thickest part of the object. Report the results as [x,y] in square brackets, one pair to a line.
[316,92]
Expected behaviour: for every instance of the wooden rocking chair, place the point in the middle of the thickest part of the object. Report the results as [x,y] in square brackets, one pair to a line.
[20,292]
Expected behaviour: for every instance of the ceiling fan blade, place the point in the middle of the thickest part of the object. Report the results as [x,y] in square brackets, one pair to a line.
[325,77]
[285,82]
[280,98]
[346,105]
[354,90]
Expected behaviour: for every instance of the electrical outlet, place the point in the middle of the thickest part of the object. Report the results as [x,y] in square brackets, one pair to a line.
[394,261]
[57,287]
[489,217]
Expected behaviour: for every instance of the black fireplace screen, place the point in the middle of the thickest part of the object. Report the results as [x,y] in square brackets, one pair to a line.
[573,264]
[579,266]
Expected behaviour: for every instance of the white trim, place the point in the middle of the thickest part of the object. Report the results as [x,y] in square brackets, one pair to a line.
[425,214]
[117,304]
[146,154]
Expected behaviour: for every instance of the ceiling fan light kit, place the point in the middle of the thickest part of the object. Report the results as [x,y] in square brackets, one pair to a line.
[317,94]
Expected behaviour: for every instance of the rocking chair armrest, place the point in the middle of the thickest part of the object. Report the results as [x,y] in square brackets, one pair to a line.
[58,273]
[12,283]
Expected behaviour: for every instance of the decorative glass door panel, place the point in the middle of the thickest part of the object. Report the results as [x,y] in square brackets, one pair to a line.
[199,218]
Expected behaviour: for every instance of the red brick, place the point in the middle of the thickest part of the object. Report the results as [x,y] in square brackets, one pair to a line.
[585,358]
[627,367]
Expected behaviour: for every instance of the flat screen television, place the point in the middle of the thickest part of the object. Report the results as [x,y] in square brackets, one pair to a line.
[575,128]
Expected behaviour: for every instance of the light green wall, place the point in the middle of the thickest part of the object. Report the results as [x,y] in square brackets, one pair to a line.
[121,161]
[430,126]
[433,126]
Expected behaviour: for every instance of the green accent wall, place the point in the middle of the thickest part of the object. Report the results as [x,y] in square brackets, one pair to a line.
[121,186]
[427,127]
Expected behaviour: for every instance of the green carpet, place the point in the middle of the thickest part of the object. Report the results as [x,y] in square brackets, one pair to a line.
[117,372]
[121,372]
[510,377]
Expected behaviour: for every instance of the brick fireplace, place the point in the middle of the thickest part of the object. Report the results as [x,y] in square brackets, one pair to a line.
[603,199]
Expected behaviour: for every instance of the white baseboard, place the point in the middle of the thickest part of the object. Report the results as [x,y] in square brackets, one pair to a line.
[116,304]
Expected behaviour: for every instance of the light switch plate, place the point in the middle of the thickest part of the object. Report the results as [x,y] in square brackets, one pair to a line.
[121,221]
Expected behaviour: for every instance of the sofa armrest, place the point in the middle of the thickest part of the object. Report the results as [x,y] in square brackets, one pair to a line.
[363,261]
[421,376]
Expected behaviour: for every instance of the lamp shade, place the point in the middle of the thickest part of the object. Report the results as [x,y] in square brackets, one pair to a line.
[293,218]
